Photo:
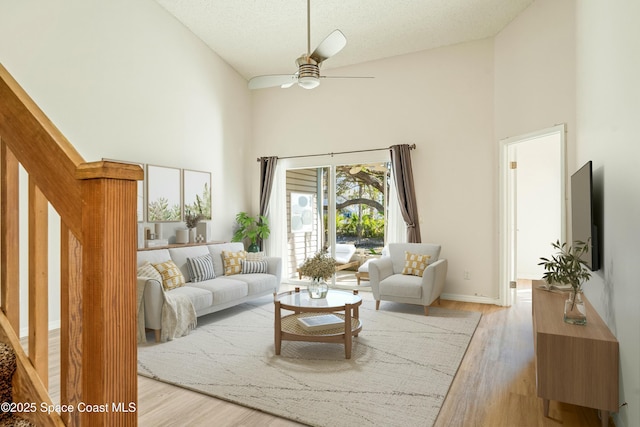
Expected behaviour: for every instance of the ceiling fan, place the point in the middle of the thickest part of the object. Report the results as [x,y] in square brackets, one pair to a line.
[308,74]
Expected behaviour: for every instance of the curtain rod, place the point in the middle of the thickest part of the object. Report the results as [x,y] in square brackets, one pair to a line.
[411,147]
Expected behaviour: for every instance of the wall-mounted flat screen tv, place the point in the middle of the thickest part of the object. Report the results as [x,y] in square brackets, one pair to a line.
[583,224]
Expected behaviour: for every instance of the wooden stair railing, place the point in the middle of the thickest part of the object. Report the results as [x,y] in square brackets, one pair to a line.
[97,207]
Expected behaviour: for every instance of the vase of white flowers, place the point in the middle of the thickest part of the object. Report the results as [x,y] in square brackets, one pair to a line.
[319,268]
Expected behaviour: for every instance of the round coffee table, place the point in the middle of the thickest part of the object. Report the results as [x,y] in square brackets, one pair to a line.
[343,304]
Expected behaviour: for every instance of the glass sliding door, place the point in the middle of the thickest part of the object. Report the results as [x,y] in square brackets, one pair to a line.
[338,208]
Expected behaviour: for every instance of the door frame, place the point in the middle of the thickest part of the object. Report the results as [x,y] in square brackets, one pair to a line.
[507,200]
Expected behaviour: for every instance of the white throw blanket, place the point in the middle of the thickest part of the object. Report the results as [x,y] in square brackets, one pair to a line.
[178,314]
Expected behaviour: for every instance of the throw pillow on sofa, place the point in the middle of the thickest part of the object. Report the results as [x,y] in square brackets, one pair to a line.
[201,268]
[149,271]
[255,256]
[171,275]
[249,267]
[232,262]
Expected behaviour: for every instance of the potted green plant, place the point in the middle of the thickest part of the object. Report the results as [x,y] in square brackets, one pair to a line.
[566,267]
[252,229]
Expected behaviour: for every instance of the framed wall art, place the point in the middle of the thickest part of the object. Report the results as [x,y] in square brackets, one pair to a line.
[197,192]
[164,194]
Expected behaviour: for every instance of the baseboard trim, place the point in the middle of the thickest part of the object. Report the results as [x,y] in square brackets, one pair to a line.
[471,298]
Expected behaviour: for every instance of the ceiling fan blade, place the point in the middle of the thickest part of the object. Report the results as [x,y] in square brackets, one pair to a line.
[272,80]
[332,44]
[347,77]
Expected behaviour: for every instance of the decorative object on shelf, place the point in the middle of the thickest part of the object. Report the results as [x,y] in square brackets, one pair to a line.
[251,228]
[192,220]
[158,230]
[182,236]
[319,268]
[567,267]
[203,230]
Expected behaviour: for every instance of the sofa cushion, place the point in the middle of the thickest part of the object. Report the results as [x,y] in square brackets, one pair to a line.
[415,264]
[223,289]
[233,262]
[258,283]
[216,254]
[200,298]
[201,268]
[171,275]
[249,267]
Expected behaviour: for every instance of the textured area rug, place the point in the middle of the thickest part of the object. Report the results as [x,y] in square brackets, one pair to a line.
[400,371]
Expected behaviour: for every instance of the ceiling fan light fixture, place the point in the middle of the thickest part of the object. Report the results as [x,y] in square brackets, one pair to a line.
[308,82]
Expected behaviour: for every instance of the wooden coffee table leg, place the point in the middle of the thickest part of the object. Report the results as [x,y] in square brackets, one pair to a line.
[277,327]
[348,336]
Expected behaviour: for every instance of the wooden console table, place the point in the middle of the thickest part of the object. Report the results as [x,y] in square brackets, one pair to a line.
[574,364]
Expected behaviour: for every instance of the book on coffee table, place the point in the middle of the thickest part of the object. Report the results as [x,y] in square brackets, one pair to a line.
[325,321]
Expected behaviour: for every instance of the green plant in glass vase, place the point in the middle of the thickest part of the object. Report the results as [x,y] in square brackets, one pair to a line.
[567,267]
[252,229]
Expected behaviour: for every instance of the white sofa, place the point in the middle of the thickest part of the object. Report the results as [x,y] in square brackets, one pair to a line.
[207,296]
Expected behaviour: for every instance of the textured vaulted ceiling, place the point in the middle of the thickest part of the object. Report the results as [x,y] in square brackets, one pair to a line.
[266,36]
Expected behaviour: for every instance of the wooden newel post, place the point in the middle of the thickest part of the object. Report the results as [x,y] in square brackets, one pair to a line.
[109,356]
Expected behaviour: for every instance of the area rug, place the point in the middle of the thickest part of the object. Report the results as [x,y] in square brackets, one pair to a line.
[401,368]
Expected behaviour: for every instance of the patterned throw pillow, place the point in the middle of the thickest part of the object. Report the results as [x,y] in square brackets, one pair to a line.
[232,264]
[171,275]
[201,268]
[149,271]
[415,264]
[249,267]
[255,256]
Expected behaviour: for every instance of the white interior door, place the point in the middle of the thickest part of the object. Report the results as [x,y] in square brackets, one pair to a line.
[533,203]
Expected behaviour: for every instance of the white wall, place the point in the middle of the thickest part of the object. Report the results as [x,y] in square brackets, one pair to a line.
[441,100]
[124,80]
[535,72]
[608,107]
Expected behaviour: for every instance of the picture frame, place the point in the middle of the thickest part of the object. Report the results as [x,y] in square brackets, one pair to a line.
[164,194]
[196,192]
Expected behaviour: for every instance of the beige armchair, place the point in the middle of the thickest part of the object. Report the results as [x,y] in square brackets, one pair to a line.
[388,282]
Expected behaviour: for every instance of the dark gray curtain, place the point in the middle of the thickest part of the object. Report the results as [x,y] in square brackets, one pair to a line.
[267,172]
[403,177]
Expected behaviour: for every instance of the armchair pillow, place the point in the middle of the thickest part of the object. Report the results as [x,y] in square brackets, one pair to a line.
[415,264]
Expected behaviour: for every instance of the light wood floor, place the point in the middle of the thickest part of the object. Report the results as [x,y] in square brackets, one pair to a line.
[494,387]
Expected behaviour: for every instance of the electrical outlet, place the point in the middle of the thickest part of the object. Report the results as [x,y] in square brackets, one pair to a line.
[466,275]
